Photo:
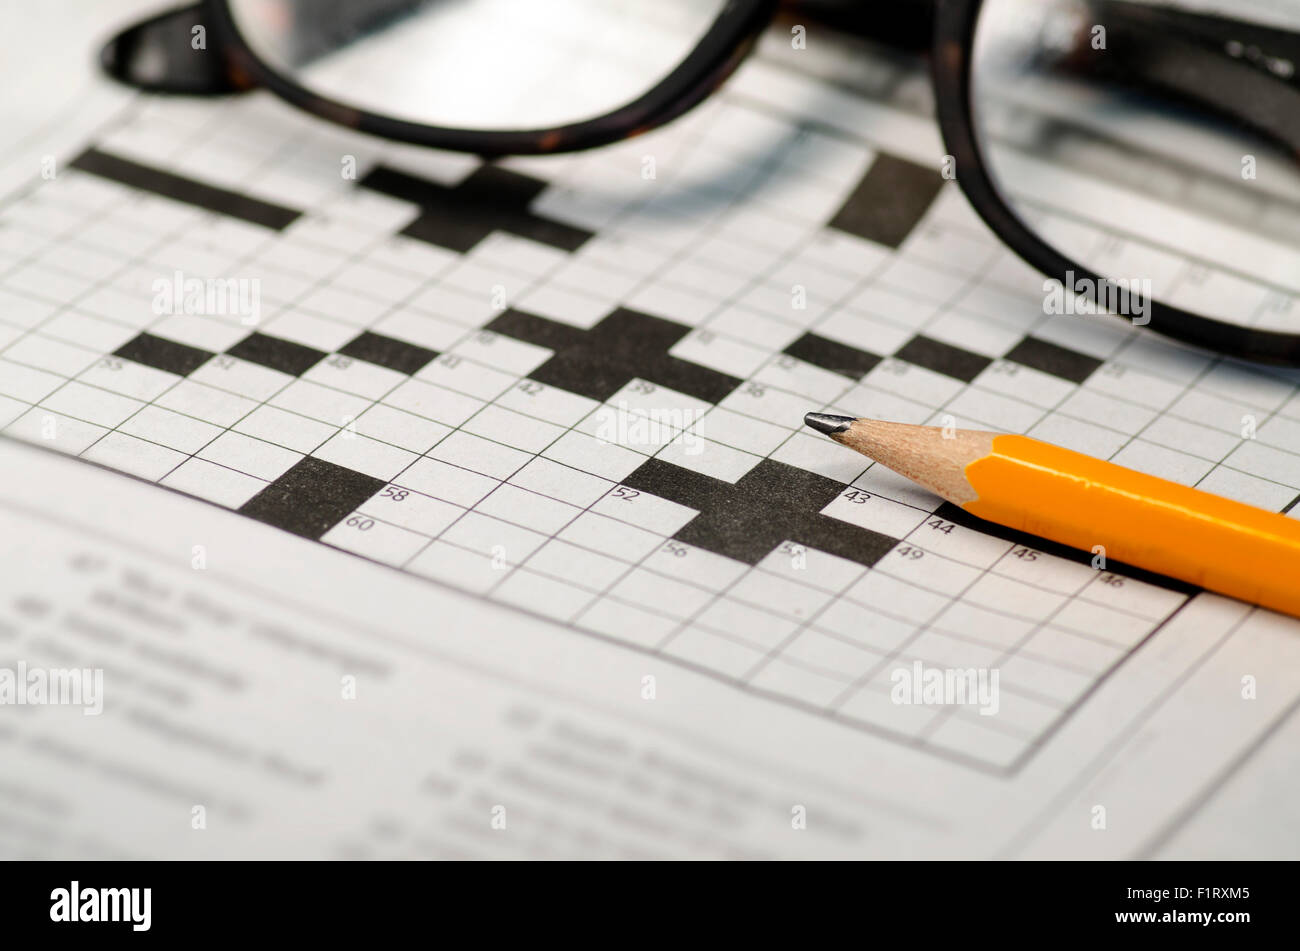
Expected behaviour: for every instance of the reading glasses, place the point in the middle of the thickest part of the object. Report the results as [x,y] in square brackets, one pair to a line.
[1169,131]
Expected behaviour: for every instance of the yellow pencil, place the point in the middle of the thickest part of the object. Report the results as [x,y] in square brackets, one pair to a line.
[1221,545]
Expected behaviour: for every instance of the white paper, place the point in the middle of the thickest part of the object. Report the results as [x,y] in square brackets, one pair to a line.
[524,660]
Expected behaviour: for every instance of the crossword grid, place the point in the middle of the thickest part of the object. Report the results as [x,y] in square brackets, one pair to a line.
[384,405]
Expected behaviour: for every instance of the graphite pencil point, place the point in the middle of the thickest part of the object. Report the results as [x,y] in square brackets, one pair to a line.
[824,423]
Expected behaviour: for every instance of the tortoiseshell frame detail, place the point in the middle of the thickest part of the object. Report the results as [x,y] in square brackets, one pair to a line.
[704,69]
[954,40]
[1236,93]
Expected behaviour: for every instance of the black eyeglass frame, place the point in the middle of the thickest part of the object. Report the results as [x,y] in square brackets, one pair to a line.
[716,56]
[727,42]
[954,40]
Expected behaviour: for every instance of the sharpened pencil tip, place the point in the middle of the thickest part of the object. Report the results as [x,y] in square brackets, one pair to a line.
[830,425]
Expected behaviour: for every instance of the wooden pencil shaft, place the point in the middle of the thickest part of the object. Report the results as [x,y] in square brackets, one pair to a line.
[1217,543]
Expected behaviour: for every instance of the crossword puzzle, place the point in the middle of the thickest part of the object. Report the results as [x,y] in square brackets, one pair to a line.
[439,340]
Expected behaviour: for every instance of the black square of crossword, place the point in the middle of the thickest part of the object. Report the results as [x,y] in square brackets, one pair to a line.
[388,352]
[624,345]
[311,497]
[179,188]
[834,356]
[771,503]
[1052,358]
[891,198]
[286,356]
[923,351]
[163,354]
[490,199]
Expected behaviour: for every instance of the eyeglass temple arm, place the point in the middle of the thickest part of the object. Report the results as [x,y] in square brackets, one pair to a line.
[1272,50]
[160,54]
[165,54]
[1243,72]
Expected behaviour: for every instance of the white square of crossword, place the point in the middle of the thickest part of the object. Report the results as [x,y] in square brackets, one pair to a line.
[875,512]
[501,352]
[811,567]
[301,327]
[134,456]
[89,331]
[925,569]
[986,410]
[1072,649]
[592,455]
[713,652]
[55,356]
[863,626]
[170,429]
[89,403]
[400,428]
[204,332]
[355,376]
[968,739]
[742,432]
[241,378]
[623,622]
[455,566]
[795,376]
[254,457]
[561,482]
[363,454]
[580,566]
[872,704]
[468,377]
[206,402]
[55,431]
[662,516]
[548,596]
[746,622]
[779,595]
[425,330]
[579,307]
[547,402]
[376,540]
[610,536]
[1024,383]
[128,378]
[480,455]
[657,593]
[521,507]
[285,429]
[820,455]
[1252,490]
[448,482]
[493,539]
[207,480]
[696,566]
[790,678]
[1079,436]
[830,653]
[993,627]
[1160,461]
[409,509]
[708,457]
[513,429]
[433,402]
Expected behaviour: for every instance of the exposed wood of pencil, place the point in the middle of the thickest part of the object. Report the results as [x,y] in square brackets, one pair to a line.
[928,455]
